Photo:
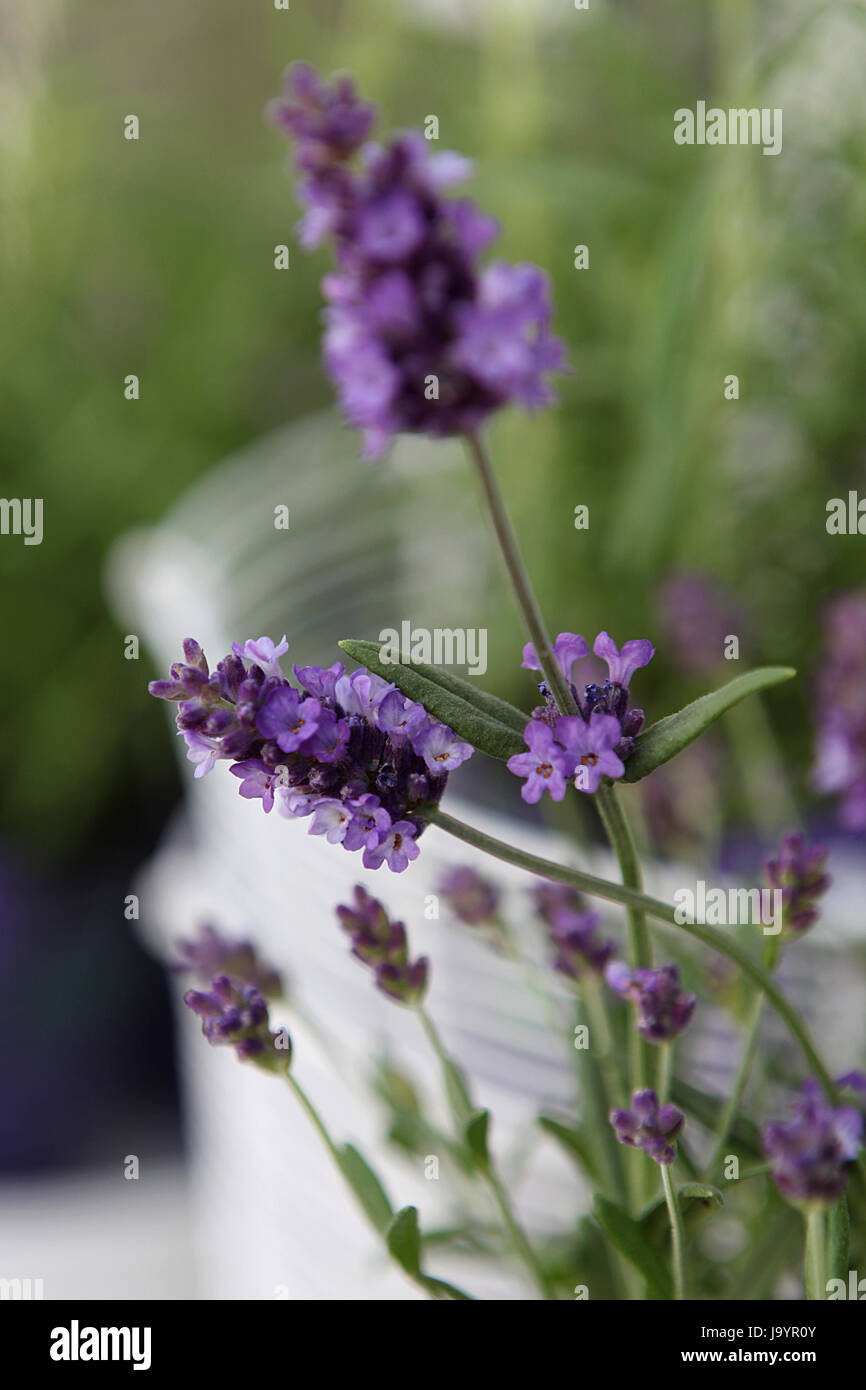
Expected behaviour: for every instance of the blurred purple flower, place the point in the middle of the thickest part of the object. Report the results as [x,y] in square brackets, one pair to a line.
[664,1011]
[808,1153]
[382,944]
[697,615]
[840,752]
[798,870]
[235,1013]
[474,900]
[211,954]
[417,337]
[649,1126]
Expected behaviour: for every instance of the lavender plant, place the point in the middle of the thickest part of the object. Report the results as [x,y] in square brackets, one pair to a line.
[421,336]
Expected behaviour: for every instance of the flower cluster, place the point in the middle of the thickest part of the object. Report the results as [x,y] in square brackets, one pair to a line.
[593,743]
[840,761]
[213,954]
[347,750]
[649,1126]
[572,930]
[418,338]
[808,1153]
[382,944]
[235,1013]
[664,1011]
[473,900]
[798,870]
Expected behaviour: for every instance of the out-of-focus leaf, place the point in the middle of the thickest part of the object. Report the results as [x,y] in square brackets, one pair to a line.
[663,740]
[632,1241]
[366,1186]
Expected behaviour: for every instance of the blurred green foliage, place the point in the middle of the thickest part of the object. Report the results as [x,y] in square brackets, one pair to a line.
[156,257]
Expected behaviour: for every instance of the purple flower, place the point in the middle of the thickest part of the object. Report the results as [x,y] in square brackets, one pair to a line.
[578,949]
[595,742]
[591,748]
[213,954]
[550,899]
[264,653]
[382,945]
[418,338]
[808,1153]
[545,766]
[329,741]
[396,850]
[288,719]
[622,665]
[370,823]
[199,751]
[474,900]
[440,748]
[840,755]
[398,717]
[235,1013]
[568,648]
[798,870]
[664,1011]
[649,1126]
[357,756]
[257,781]
[318,682]
[332,819]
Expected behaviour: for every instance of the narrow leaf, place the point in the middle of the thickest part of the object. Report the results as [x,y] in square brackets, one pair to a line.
[476,1137]
[366,1186]
[489,724]
[662,741]
[631,1240]
[404,1240]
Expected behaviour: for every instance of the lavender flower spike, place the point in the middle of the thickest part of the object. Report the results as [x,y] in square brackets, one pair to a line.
[348,750]
[840,707]
[382,944]
[649,1126]
[234,1013]
[808,1153]
[418,337]
[664,1011]
[798,870]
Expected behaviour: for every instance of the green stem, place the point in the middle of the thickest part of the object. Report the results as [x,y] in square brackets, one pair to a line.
[740,1080]
[816,1254]
[462,1111]
[640,946]
[520,582]
[677,1243]
[316,1119]
[652,907]
[665,1071]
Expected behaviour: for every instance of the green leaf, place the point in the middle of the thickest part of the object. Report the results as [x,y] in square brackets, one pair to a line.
[631,1240]
[457,1092]
[663,740]
[404,1240]
[366,1186]
[838,1240]
[488,723]
[476,1137]
[573,1142]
